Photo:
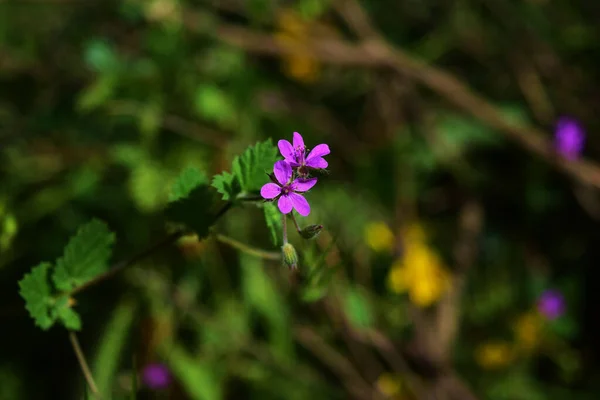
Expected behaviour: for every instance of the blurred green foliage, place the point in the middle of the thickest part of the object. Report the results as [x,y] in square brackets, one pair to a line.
[160,117]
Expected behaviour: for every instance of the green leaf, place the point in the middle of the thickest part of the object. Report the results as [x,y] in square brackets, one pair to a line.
[564,326]
[187,181]
[112,345]
[227,184]
[36,291]
[85,256]
[214,104]
[97,93]
[65,314]
[199,379]
[146,185]
[101,56]
[358,309]
[314,293]
[274,222]
[251,166]
[194,211]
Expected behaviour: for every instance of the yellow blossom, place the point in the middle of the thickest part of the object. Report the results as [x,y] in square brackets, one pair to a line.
[388,385]
[528,330]
[421,273]
[379,237]
[494,354]
[294,35]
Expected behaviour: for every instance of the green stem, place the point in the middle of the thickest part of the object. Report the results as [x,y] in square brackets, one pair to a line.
[165,241]
[267,255]
[284,224]
[85,369]
[295,222]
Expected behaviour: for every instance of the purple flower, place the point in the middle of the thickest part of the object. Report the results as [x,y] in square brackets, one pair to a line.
[569,138]
[287,191]
[551,304]
[156,376]
[296,155]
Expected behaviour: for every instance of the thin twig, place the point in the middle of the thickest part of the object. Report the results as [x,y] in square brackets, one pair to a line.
[244,248]
[376,52]
[165,241]
[85,369]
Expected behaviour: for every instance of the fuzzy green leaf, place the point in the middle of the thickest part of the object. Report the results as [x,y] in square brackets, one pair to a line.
[85,256]
[36,290]
[252,165]
[227,184]
[65,314]
[189,179]
[274,222]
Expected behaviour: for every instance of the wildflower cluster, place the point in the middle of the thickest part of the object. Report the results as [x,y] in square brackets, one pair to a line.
[291,176]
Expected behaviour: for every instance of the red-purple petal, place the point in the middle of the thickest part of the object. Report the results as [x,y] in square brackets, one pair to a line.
[283,172]
[302,185]
[270,191]
[298,141]
[317,162]
[300,204]
[285,204]
[320,150]
[286,149]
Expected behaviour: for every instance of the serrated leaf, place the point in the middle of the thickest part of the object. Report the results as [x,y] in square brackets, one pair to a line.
[35,289]
[194,211]
[227,185]
[187,181]
[250,167]
[65,314]
[274,222]
[86,256]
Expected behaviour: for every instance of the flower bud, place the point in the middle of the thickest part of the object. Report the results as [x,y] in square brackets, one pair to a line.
[311,231]
[290,257]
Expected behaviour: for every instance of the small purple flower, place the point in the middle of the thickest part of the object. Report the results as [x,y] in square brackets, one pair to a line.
[156,376]
[296,156]
[551,304]
[569,138]
[287,191]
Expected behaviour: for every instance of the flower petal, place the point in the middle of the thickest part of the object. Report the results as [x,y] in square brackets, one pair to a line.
[298,141]
[302,185]
[283,172]
[285,204]
[316,162]
[300,204]
[270,191]
[320,150]
[286,149]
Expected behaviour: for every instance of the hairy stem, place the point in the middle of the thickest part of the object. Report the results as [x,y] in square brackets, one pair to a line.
[267,255]
[284,224]
[85,369]
[165,241]
[295,222]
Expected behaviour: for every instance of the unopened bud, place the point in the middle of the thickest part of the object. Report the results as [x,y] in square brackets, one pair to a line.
[311,231]
[290,257]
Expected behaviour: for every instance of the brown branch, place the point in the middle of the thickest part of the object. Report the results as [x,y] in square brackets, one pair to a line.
[376,52]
